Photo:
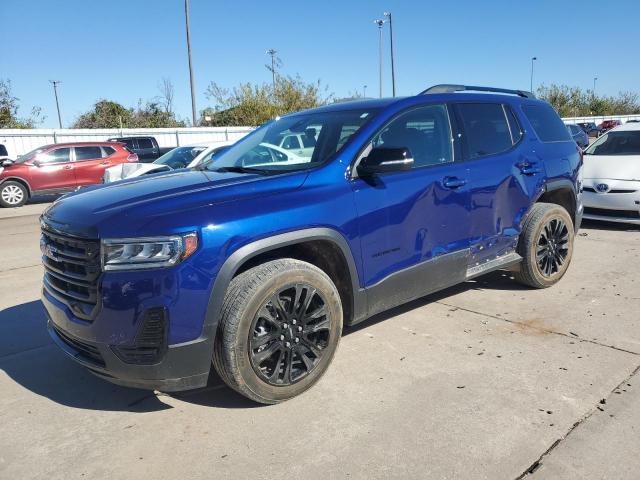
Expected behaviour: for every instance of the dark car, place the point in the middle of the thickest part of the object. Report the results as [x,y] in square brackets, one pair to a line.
[608,125]
[579,136]
[58,168]
[590,128]
[146,148]
[254,263]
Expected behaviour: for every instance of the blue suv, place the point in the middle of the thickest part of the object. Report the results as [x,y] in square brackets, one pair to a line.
[253,263]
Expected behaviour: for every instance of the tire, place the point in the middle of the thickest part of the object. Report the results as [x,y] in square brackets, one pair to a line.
[13,194]
[261,349]
[546,245]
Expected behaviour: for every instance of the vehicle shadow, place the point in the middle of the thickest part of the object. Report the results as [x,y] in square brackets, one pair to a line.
[30,358]
[615,226]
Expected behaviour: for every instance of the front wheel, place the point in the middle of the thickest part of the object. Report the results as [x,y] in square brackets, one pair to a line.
[13,194]
[280,327]
[546,245]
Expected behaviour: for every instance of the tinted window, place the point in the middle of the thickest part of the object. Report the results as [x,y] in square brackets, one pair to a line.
[107,151]
[425,131]
[87,153]
[574,129]
[59,155]
[3,150]
[546,123]
[291,142]
[179,157]
[485,127]
[144,143]
[616,143]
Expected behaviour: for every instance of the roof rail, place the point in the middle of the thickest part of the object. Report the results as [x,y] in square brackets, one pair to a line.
[446,88]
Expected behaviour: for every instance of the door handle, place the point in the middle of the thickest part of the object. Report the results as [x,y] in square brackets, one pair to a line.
[105,163]
[528,168]
[67,167]
[453,182]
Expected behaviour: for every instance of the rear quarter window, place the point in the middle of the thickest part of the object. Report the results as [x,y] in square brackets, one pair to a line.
[546,123]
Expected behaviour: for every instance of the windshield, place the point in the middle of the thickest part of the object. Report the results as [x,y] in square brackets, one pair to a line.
[616,143]
[29,155]
[312,140]
[179,157]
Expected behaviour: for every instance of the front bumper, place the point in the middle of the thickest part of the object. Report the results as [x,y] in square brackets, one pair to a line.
[620,202]
[182,366]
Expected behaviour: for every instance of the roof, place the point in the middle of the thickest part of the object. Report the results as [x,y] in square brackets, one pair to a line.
[628,127]
[80,144]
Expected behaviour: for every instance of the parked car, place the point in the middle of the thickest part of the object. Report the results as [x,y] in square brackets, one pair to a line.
[58,168]
[590,128]
[256,262]
[187,156]
[608,125]
[146,148]
[579,136]
[612,176]
[301,144]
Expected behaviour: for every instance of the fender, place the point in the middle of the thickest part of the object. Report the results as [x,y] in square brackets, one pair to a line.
[18,179]
[564,184]
[245,253]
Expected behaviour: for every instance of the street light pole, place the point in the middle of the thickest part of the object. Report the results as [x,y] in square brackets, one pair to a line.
[273,53]
[380,24]
[594,85]
[193,92]
[393,65]
[364,91]
[531,85]
[55,84]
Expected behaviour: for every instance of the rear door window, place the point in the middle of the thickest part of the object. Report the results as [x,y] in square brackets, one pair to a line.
[546,123]
[87,153]
[108,151]
[144,143]
[486,128]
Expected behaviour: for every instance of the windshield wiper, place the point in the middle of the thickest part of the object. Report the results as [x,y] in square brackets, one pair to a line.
[242,170]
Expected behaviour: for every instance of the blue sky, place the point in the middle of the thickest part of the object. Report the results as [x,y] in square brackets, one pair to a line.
[120,49]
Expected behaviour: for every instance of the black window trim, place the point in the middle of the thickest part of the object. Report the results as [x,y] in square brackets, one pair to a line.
[453,130]
[466,157]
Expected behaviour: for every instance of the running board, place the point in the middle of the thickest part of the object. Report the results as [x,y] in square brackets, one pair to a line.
[498,263]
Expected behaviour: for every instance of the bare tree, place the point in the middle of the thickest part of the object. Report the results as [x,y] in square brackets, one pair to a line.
[165,86]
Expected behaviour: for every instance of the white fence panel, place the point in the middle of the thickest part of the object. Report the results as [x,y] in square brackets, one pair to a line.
[598,120]
[19,141]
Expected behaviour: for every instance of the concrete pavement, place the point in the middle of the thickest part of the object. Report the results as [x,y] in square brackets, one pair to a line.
[486,380]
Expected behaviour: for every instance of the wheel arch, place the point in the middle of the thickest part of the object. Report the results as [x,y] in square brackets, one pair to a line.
[561,192]
[326,248]
[19,180]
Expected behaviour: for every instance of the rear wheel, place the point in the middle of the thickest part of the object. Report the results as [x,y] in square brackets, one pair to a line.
[13,194]
[546,245]
[280,327]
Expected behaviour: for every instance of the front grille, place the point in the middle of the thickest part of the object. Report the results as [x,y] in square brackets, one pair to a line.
[605,212]
[150,343]
[84,350]
[72,271]
[616,190]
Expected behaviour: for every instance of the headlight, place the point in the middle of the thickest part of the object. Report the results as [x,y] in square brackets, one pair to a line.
[144,253]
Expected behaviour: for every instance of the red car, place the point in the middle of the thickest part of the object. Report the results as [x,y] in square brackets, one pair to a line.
[58,168]
[608,125]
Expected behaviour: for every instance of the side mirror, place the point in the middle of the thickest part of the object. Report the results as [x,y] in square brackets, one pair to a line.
[36,163]
[385,160]
[6,162]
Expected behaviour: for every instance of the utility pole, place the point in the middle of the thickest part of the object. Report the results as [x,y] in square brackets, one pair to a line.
[364,91]
[393,65]
[55,84]
[273,53]
[533,59]
[193,93]
[380,24]
[594,85]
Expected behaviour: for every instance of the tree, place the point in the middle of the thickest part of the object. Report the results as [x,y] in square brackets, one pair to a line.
[9,106]
[249,104]
[165,86]
[109,114]
[575,102]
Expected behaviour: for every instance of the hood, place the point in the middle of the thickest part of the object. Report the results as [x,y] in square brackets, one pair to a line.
[618,167]
[159,203]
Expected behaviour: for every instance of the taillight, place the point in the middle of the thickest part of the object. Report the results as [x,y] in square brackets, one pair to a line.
[132,157]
